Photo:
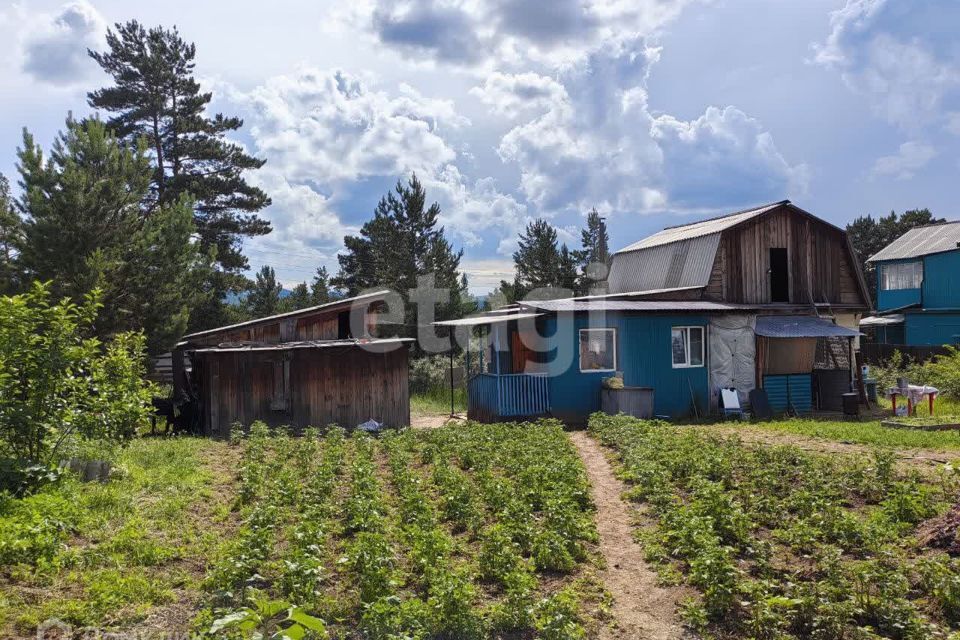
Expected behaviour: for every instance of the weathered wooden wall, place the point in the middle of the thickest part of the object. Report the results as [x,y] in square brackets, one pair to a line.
[818,257]
[303,387]
[322,325]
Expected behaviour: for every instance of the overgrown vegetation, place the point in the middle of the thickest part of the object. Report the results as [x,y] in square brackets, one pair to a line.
[466,532]
[59,388]
[784,544]
[942,372]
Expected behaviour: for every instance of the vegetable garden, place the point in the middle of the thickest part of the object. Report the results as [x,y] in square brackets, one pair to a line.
[467,532]
[784,544]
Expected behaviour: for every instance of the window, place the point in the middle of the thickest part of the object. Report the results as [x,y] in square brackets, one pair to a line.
[598,349]
[687,346]
[779,276]
[901,275]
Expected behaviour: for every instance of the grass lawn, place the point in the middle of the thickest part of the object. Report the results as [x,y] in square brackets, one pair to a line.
[867,432]
[471,532]
[438,401]
[133,551]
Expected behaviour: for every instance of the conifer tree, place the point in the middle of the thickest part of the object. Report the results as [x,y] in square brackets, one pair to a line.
[84,228]
[594,257]
[264,298]
[155,97]
[299,298]
[11,241]
[320,287]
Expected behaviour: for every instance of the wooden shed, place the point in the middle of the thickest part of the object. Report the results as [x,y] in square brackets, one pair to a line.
[316,366]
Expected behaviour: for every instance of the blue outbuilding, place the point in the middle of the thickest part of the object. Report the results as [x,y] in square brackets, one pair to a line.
[918,288]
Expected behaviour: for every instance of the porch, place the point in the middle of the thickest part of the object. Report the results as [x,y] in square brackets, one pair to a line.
[492,397]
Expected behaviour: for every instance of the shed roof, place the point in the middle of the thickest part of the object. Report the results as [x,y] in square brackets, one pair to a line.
[882,321]
[491,317]
[921,241]
[801,327]
[329,306]
[574,305]
[373,344]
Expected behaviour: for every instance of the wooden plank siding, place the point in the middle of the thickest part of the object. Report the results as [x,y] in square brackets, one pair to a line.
[303,387]
[818,257]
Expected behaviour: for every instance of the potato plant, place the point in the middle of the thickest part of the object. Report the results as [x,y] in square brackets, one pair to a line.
[785,544]
[471,531]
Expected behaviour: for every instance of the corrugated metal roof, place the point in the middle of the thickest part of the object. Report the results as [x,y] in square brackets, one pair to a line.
[375,343]
[800,327]
[329,306]
[487,318]
[922,241]
[572,305]
[681,264]
[627,294]
[700,228]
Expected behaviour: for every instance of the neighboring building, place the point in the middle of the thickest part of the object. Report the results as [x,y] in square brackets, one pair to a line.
[315,366]
[767,297]
[918,288]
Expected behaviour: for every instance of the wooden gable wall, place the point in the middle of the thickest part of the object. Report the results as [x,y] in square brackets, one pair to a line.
[820,267]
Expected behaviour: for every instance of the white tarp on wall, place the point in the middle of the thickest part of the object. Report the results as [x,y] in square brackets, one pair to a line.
[732,356]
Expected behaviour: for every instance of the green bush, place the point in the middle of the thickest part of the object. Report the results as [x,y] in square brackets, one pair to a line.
[60,388]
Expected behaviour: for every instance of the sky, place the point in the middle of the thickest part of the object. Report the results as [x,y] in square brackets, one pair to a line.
[655,112]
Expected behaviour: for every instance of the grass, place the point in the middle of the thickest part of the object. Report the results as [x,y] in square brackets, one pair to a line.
[780,543]
[438,401]
[868,433]
[110,554]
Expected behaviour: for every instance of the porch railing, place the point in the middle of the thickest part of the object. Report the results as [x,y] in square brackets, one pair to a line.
[512,395]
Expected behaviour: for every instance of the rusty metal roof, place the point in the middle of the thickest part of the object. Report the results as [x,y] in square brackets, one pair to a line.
[329,306]
[921,241]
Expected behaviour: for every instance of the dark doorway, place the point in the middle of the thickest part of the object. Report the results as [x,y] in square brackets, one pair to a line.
[343,325]
[779,276]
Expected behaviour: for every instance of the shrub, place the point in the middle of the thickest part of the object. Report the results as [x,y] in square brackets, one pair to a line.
[58,386]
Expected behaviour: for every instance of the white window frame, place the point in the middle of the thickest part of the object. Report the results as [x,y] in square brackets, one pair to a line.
[580,353]
[686,347]
[893,275]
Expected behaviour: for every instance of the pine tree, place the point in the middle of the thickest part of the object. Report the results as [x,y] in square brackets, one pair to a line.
[537,260]
[156,98]
[84,228]
[11,240]
[264,298]
[320,287]
[594,257]
[568,277]
[299,298]
[400,244]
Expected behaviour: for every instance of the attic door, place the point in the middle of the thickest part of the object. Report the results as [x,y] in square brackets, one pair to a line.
[779,275]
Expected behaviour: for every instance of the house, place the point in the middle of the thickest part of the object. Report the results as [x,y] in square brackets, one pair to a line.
[768,297]
[315,366]
[918,288]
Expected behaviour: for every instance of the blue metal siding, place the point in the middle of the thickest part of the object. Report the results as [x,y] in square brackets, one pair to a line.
[644,356]
[896,298]
[932,329]
[785,390]
[941,281]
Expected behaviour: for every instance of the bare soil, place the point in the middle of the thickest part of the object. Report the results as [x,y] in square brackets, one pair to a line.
[642,609]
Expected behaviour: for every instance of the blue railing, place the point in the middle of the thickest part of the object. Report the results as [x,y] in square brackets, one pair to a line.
[513,395]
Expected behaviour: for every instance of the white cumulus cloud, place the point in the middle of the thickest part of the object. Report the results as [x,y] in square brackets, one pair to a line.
[54,46]
[910,158]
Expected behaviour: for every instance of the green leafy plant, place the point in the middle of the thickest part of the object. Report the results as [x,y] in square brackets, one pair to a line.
[273,619]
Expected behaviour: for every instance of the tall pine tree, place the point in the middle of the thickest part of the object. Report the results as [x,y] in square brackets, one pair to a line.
[320,287]
[156,98]
[400,244]
[264,297]
[11,241]
[594,257]
[84,227]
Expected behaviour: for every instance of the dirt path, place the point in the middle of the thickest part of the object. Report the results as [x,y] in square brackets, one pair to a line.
[643,610]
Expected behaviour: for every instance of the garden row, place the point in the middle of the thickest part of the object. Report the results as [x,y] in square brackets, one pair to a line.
[784,544]
[465,532]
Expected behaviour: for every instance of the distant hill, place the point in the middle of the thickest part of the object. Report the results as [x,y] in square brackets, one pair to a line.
[237,298]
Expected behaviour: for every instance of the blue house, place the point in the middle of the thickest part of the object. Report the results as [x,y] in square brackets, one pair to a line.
[766,297]
[918,288]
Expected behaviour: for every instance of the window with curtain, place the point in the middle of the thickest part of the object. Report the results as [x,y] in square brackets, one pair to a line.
[687,346]
[598,349]
[901,275]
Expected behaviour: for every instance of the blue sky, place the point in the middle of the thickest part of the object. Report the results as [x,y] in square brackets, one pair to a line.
[655,112]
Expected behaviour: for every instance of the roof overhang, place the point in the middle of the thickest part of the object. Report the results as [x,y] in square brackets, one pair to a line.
[882,321]
[370,344]
[801,327]
[485,319]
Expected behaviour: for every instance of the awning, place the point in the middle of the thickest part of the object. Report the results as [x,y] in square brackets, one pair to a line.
[883,321]
[491,318]
[801,327]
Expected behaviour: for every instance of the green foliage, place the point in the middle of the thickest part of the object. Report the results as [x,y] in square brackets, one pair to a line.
[11,242]
[264,297]
[274,619]
[85,227]
[58,386]
[784,544]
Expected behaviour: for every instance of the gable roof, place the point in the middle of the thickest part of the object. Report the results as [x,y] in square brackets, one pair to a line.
[921,241]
